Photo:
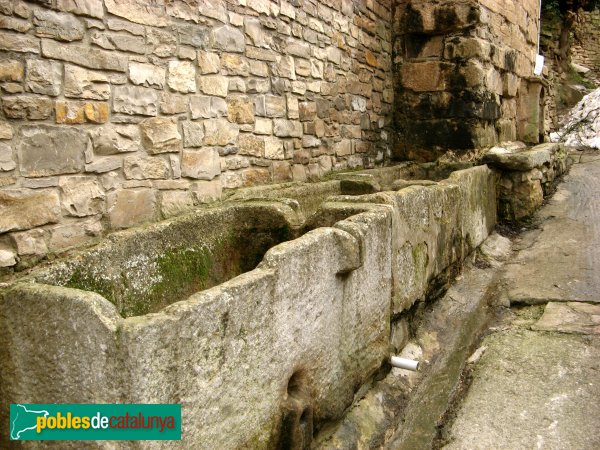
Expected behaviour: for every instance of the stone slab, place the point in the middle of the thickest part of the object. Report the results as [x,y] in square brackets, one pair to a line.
[571,317]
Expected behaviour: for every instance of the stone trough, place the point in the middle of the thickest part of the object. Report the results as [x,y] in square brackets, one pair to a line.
[262,316]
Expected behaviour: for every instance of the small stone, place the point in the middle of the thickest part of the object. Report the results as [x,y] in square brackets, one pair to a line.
[220,132]
[130,207]
[193,134]
[27,107]
[302,67]
[135,100]
[6,131]
[343,148]
[81,196]
[66,236]
[147,75]
[263,126]
[282,171]
[125,25]
[160,135]
[240,110]
[11,70]
[173,103]
[205,107]
[22,209]
[214,85]
[183,10]
[115,139]
[292,106]
[256,33]
[201,164]
[228,39]
[74,112]
[59,26]
[7,258]
[145,168]
[182,76]
[83,83]
[207,191]
[103,165]
[208,62]
[274,148]
[256,176]
[173,203]
[7,162]
[234,64]
[145,13]
[307,110]
[30,242]
[270,106]
[251,145]
[83,56]
[12,23]
[287,128]
[215,9]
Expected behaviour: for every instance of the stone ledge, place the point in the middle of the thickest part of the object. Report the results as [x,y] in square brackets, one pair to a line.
[515,156]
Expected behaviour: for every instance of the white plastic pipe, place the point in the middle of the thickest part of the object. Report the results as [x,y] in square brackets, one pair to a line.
[404,363]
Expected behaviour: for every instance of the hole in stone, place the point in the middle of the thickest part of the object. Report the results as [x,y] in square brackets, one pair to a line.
[295,387]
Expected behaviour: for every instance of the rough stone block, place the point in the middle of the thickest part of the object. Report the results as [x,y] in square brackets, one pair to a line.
[205,107]
[173,103]
[182,76]
[59,26]
[66,236]
[251,145]
[84,56]
[173,203]
[21,209]
[22,43]
[201,164]
[214,85]
[81,196]
[160,135]
[274,148]
[207,191]
[208,62]
[193,134]
[30,243]
[114,139]
[287,128]
[270,106]
[135,100]
[129,207]
[74,112]
[92,8]
[148,75]
[27,107]
[424,76]
[215,9]
[263,126]
[48,150]
[145,168]
[228,39]
[240,110]
[11,70]
[145,13]
[7,161]
[87,84]
[220,132]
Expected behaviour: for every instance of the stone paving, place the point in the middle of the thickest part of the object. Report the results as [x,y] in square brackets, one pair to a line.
[537,383]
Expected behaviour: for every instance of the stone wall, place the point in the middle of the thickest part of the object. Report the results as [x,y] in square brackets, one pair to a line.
[586,43]
[119,112]
[465,71]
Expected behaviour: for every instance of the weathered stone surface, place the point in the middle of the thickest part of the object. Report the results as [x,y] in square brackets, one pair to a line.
[145,168]
[220,132]
[413,76]
[83,83]
[208,62]
[193,134]
[204,107]
[60,26]
[12,23]
[160,135]
[519,158]
[129,207]
[173,203]
[135,100]
[30,243]
[270,106]
[173,103]
[240,110]
[69,235]
[182,76]
[148,75]
[207,191]
[27,107]
[144,12]
[228,39]
[7,162]
[251,145]
[92,8]
[7,257]
[194,35]
[103,165]
[81,196]
[124,42]
[115,139]
[234,64]
[214,9]
[21,209]
[6,131]
[186,10]
[256,33]
[19,42]
[214,85]
[263,126]
[74,112]
[570,317]
[201,164]
[11,70]
[84,56]
[274,148]
[287,128]
[48,150]
[163,43]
